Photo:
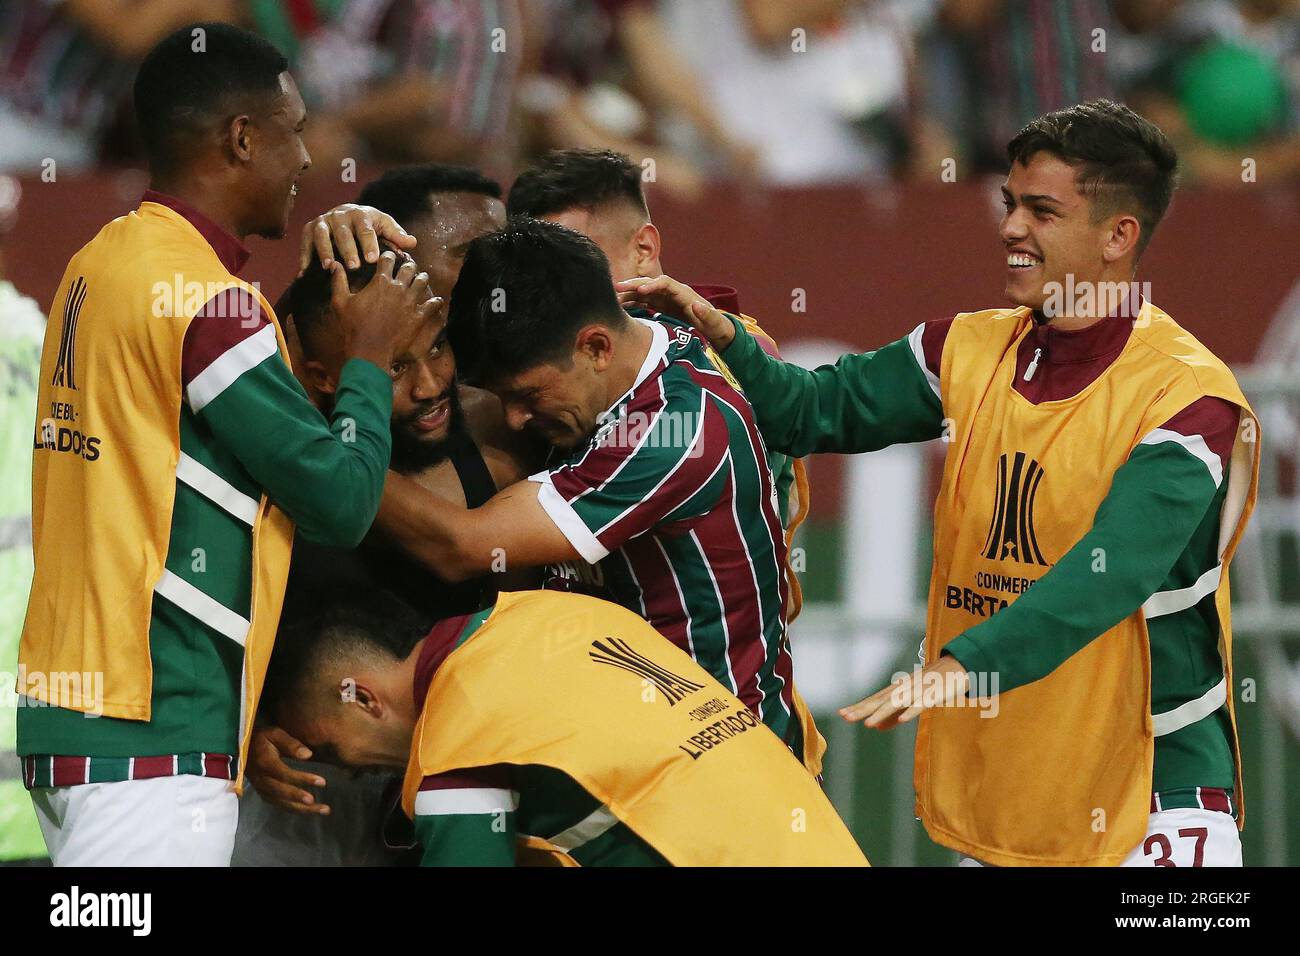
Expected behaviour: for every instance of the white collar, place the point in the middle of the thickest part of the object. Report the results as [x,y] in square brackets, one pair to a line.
[658,349]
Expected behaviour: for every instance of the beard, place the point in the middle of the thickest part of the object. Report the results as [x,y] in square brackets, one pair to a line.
[411,454]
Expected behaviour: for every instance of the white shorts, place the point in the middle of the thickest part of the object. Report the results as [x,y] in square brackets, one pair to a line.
[184,820]
[1188,836]
[1183,837]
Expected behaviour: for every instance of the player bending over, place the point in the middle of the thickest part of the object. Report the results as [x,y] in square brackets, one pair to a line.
[551,728]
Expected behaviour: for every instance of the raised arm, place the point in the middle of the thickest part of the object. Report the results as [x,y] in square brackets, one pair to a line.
[862,403]
[326,475]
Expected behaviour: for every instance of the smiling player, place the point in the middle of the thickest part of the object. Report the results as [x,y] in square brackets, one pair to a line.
[1100,470]
[175,452]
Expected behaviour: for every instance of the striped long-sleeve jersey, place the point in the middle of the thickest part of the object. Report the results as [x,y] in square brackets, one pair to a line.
[1158,525]
[673,504]
[246,427]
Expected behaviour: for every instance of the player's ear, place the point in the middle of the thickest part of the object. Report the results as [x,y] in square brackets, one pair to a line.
[318,377]
[1125,231]
[647,244]
[365,698]
[597,344]
[239,138]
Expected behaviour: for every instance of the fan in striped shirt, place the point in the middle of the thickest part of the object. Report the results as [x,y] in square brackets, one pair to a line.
[662,492]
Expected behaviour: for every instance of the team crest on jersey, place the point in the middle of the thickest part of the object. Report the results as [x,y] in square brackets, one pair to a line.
[617,653]
[1011,534]
[65,367]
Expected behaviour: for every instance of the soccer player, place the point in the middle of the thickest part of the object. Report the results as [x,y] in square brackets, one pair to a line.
[599,193]
[174,454]
[1101,467]
[452,439]
[554,729]
[661,494]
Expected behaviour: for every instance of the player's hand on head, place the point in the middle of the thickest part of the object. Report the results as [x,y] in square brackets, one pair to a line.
[384,315]
[349,233]
[665,294]
[277,782]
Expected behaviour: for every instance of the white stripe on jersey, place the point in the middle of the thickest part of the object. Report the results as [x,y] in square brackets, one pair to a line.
[918,353]
[436,803]
[1194,444]
[229,365]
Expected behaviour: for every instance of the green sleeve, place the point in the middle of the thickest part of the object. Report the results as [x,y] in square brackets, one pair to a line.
[863,402]
[328,476]
[1156,502]
[467,839]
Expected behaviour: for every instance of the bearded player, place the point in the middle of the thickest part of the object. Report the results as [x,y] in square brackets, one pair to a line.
[1101,466]
[450,438]
[660,489]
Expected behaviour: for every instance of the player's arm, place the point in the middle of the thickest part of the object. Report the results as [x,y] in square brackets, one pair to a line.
[864,402]
[1171,483]
[467,818]
[326,475]
[620,489]
[456,543]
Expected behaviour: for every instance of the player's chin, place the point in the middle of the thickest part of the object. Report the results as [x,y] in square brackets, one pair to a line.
[1023,295]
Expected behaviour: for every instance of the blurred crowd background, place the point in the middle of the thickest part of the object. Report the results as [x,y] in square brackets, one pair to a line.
[781,92]
[796,144]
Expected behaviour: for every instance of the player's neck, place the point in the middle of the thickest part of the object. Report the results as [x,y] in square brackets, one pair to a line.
[630,354]
[203,194]
[1086,311]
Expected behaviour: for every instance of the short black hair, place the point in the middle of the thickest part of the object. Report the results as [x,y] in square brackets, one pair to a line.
[1121,159]
[577,179]
[523,294]
[195,78]
[403,192]
[308,297]
[370,623]
[308,300]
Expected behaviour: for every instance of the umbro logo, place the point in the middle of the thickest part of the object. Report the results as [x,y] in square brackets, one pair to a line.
[1011,534]
[618,653]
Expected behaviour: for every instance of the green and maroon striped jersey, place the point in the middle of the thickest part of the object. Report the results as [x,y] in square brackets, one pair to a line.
[246,427]
[672,504]
[1158,524]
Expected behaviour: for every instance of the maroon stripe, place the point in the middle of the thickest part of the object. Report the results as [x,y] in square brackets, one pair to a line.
[217,765]
[664,608]
[700,461]
[728,558]
[1214,798]
[146,768]
[1214,419]
[599,464]
[722,297]
[720,387]
[69,771]
[495,777]
[933,336]
[435,647]
[227,319]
